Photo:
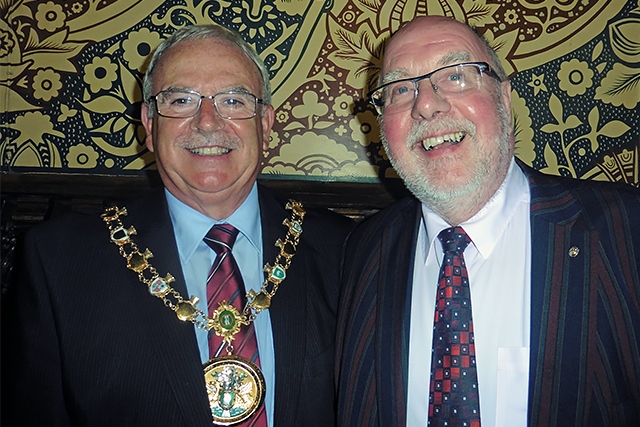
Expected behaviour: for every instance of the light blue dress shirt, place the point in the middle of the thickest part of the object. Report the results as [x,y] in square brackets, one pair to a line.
[196,258]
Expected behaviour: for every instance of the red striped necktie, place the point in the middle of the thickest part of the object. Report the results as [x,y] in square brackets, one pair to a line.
[225,284]
[453,396]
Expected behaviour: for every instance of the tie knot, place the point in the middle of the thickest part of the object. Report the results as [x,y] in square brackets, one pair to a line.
[221,237]
[454,239]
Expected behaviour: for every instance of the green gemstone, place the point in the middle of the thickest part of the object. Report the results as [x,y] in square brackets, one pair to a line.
[227,399]
[278,273]
[296,227]
[227,320]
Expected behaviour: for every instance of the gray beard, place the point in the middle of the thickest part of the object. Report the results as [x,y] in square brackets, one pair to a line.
[443,200]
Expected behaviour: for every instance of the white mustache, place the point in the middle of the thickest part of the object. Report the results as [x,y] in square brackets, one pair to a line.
[212,139]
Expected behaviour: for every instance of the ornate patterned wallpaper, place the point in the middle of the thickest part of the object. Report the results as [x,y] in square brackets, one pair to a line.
[71,72]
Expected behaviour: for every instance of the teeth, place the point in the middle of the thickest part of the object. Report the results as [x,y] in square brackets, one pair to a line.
[453,138]
[209,151]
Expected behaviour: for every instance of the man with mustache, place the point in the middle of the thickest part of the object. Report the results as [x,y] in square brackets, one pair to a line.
[496,296]
[119,320]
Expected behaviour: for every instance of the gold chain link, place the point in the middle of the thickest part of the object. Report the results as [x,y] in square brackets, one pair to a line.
[186,310]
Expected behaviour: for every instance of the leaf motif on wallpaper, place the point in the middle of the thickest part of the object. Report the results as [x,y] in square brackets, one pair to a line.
[105,104]
[323,77]
[369,11]
[551,161]
[625,39]
[597,51]
[620,86]
[54,51]
[66,112]
[112,120]
[360,54]
[555,106]
[479,13]
[611,129]
[524,145]
[561,125]
[503,44]
[11,101]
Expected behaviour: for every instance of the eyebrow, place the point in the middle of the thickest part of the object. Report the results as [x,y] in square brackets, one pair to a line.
[240,89]
[448,59]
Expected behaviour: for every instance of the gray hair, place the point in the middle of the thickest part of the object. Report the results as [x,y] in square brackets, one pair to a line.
[199,32]
[494,59]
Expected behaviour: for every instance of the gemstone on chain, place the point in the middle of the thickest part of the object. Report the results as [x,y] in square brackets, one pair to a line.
[227,320]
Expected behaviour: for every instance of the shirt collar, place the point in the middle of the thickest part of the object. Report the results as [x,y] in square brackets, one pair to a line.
[190,226]
[487,226]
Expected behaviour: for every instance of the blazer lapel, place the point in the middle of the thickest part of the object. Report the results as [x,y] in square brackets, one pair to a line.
[558,231]
[174,340]
[397,249]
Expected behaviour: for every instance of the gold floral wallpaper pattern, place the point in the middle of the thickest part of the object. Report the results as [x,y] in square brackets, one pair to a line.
[71,75]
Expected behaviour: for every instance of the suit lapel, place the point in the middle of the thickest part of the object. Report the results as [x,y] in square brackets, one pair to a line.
[174,340]
[287,312]
[397,248]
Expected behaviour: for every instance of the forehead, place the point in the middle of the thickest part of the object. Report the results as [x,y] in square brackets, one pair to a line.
[206,64]
[429,43]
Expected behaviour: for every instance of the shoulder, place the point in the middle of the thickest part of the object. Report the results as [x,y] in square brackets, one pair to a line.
[79,227]
[543,184]
[319,222]
[398,216]
[592,195]
[327,221]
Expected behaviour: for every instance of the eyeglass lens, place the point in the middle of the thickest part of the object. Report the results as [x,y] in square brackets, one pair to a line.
[230,105]
[447,82]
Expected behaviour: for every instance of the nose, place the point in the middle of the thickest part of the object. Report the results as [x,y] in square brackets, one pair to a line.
[207,117]
[428,102]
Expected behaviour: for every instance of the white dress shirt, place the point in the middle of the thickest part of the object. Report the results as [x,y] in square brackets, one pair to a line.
[196,259]
[498,264]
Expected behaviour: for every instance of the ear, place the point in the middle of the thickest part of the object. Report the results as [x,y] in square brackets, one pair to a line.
[267,123]
[147,122]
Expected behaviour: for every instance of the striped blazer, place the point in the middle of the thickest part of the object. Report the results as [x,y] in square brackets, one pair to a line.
[585,309]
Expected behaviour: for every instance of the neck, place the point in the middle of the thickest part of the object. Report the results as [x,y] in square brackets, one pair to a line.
[458,208]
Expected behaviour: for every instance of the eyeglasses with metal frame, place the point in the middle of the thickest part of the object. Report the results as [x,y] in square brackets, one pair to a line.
[447,82]
[233,104]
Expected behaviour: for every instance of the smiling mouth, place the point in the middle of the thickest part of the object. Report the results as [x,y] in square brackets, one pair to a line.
[453,138]
[209,151]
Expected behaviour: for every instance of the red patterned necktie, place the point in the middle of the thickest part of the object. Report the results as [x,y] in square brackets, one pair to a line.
[453,396]
[225,283]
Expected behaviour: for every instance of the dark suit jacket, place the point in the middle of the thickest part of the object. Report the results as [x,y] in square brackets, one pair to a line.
[85,344]
[585,310]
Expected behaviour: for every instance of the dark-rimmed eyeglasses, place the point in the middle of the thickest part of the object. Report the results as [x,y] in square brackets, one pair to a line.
[447,82]
[233,105]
